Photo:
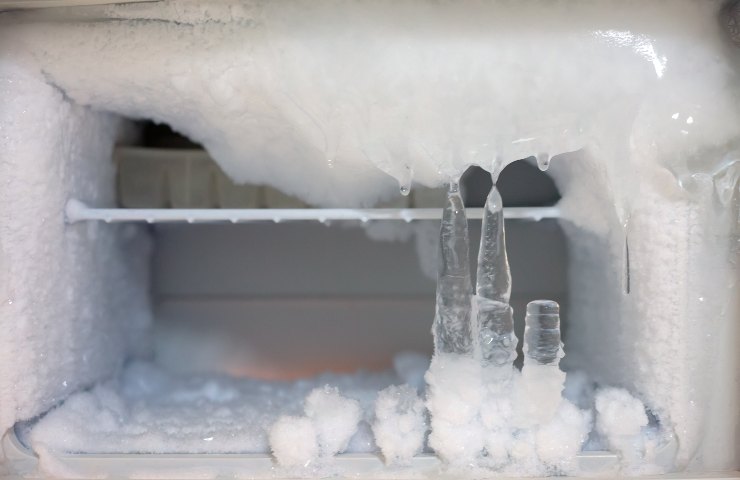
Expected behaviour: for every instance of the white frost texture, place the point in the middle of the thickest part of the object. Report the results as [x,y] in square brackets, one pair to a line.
[148,410]
[400,423]
[335,417]
[293,441]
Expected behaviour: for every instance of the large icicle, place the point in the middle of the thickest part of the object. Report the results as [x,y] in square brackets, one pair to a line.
[452,329]
[495,321]
[494,276]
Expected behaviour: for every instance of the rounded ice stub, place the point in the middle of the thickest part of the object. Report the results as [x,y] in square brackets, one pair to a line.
[546,307]
[542,332]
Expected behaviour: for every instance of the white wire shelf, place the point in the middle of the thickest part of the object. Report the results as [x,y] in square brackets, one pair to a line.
[77,211]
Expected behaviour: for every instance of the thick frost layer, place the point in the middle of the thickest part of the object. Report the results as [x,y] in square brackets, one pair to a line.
[305,423]
[293,441]
[651,320]
[620,418]
[336,418]
[73,299]
[481,427]
[400,423]
[147,410]
[340,92]
[454,396]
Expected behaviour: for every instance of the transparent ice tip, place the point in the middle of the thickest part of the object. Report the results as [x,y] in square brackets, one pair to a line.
[542,333]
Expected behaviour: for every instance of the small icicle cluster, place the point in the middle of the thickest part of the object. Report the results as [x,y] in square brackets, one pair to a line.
[484,413]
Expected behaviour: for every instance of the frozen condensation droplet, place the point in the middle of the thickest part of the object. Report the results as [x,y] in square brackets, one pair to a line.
[405,181]
[543,161]
[452,328]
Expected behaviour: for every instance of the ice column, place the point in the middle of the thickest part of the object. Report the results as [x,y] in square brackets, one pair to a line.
[495,321]
[452,329]
[542,334]
[540,387]
[454,391]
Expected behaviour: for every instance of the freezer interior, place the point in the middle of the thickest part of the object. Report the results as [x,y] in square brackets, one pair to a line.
[260,239]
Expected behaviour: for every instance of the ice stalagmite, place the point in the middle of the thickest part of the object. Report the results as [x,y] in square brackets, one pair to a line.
[541,384]
[495,322]
[454,391]
[452,329]
[542,344]
[494,276]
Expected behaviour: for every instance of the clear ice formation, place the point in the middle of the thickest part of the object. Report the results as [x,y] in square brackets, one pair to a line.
[494,277]
[508,409]
[495,324]
[538,394]
[452,322]
[494,315]
[542,344]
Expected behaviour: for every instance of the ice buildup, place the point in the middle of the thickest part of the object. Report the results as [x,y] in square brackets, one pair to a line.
[538,392]
[452,322]
[294,442]
[494,315]
[620,418]
[454,378]
[484,414]
[400,424]
[329,423]
[631,106]
[335,417]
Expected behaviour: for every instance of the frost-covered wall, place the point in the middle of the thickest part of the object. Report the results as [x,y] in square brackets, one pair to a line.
[73,298]
[653,302]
